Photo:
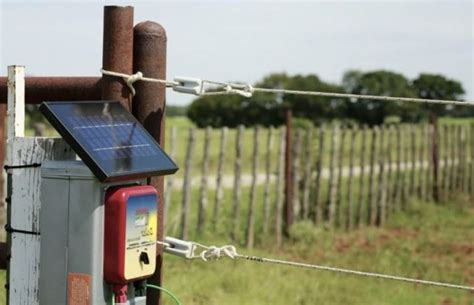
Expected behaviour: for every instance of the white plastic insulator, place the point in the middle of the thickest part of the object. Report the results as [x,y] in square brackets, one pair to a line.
[179,247]
[188,85]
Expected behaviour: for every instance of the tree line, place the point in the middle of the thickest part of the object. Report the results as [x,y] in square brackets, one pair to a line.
[268,109]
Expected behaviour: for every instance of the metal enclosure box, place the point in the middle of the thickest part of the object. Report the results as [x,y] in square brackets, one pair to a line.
[72,236]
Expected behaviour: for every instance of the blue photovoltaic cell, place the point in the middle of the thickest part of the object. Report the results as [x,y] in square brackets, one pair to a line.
[108,139]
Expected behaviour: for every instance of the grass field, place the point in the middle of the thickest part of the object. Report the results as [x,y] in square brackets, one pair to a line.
[429,242]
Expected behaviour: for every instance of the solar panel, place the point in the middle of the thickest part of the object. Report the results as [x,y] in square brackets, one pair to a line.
[108,138]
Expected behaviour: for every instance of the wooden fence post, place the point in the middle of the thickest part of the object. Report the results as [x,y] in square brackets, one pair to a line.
[362,194]
[187,190]
[389,178]
[332,187]
[308,174]
[318,209]
[453,150]
[169,179]
[202,206]
[413,147]
[435,160]
[447,162]
[429,172]
[372,198]
[253,190]
[350,195]
[268,174]
[296,172]
[381,207]
[289,208]
[406,167]
[459,167]
[398,169]
[219,178]
[235,236]
[422,176]
[280,197]
[3,119]
[340,167]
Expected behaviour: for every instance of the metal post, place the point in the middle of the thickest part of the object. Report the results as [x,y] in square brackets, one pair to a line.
[117,53]
[149,108]
[40,89]
[288,210]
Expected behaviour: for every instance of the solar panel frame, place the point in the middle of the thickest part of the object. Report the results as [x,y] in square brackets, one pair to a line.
[99,166]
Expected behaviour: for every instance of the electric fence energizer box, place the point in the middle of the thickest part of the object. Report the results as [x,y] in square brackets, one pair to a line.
[98,218]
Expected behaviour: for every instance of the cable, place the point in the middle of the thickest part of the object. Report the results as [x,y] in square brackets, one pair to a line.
[229,251]
[364,96]
[196,86]
[353,272]
[172,295]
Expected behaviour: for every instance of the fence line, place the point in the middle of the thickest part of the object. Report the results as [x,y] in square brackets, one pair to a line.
[360,178]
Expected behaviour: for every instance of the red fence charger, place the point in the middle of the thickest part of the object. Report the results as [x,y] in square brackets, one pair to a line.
[130,235]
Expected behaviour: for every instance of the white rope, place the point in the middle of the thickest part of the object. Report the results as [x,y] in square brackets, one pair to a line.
[215,253]
[197,87]
[130,79]
[229,251]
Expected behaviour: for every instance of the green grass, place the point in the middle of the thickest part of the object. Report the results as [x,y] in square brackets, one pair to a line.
[429,242]
[450,120]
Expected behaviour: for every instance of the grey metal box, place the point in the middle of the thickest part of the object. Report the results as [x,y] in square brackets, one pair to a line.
[72,227]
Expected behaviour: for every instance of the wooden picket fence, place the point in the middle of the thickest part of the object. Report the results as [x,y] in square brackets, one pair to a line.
[342,177]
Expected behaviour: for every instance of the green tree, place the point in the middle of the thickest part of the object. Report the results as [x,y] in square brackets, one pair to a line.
[435,86]
[384,83]
[314,108]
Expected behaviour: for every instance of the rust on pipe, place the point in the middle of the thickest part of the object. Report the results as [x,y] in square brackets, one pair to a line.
[149,108]
[39,89]
[117,53]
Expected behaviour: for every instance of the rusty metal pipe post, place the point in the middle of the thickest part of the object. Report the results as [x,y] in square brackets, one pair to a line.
[117,53]
[149,109]
[40,89]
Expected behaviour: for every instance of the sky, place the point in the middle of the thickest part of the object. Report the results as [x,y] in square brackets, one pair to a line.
[246,40]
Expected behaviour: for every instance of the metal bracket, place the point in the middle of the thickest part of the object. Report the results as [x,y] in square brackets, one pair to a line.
[188,85]
[180,247]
